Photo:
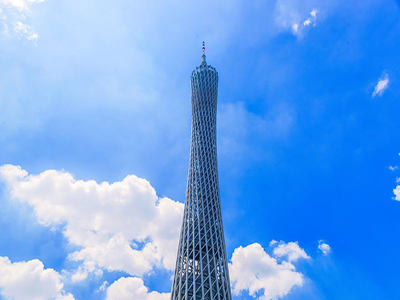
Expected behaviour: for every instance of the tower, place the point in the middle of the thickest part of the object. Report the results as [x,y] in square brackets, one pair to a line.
[201,271]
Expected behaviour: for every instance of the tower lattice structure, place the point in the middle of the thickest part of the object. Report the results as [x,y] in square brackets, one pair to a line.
[201,271]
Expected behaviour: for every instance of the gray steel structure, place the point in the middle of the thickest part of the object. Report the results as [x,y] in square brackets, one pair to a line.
[201,271]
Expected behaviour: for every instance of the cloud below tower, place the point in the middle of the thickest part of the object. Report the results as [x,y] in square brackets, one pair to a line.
[253,270]
[30,281]
[125,226]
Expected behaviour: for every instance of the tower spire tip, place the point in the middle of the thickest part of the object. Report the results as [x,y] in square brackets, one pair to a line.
[204,53]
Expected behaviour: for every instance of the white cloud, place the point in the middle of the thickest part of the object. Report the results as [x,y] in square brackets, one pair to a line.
[324,247]
[103,286]
[253,270]
[120,226]
[290,250]
[132,288]
[295,15]
[272,243]
[24,30]
[79,275]
[396,193]
[313,13]
[12,15]
[30,281]
[82,272]
[125,226]
[313,20]
[21,5]
[381,86]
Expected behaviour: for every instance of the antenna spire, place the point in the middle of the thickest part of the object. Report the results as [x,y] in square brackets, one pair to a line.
[203,58]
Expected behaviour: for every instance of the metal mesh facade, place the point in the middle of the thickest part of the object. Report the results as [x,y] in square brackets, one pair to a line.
[201,267]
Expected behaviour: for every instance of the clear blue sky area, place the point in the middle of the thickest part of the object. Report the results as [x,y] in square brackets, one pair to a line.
[308,119]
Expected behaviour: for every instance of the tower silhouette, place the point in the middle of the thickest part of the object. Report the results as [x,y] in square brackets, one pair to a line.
[201,271]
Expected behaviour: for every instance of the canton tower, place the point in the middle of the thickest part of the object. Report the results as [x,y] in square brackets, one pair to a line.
[201,271]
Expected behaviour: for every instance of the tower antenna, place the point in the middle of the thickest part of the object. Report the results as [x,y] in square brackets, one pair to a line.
[204,48]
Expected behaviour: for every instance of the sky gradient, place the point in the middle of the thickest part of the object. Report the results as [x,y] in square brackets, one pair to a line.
[95,137]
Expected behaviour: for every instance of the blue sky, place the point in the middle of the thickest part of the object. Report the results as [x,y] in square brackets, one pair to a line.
[95,135]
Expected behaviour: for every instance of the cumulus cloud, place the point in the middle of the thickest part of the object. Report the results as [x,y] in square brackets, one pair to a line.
[30,281]
[83,271]
[125,226]
[295,15]
[291,250]
[132,288]
[253,270]
[311,21]
[13,15]
[324,247]
[396,193]
[120,226]
[381,86]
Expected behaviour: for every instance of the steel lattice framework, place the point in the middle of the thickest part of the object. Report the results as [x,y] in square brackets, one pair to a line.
[201,271]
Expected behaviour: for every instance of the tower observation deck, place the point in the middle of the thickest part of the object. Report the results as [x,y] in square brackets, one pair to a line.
[201,271]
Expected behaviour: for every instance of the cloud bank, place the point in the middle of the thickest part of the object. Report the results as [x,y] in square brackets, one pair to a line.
[124,226]
[30,281]
[132,288]
[121,226]
[259,273]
